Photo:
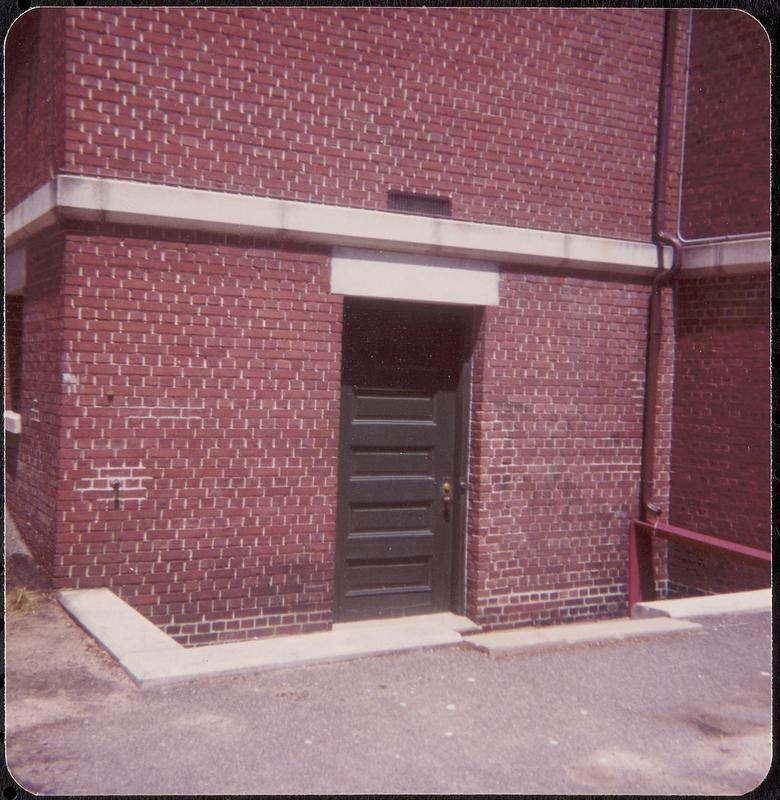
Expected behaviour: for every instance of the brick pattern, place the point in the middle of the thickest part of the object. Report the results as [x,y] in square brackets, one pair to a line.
[34,102]
[529,117]
[14,316]
[12,340]
[726,177]
[202,373]
[664,431]
[668,220]
[720,454]
[556,443]
[33,487]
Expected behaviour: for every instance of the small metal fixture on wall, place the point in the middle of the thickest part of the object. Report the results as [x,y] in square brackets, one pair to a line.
[413,203]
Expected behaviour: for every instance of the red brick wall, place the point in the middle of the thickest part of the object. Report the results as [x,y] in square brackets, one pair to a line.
[33,487]
[14,316]
[12,340]
[204,375]
[34,102]
[202,372]
[726,176]
[528,117]
[720,455]
[556,448]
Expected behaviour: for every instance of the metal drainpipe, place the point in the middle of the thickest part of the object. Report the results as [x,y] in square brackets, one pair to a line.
[650,511]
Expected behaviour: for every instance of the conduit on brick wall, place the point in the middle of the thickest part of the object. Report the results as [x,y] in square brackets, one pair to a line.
[663,277]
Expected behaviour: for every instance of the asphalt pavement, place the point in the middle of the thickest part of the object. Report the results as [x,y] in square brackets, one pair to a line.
[685,714]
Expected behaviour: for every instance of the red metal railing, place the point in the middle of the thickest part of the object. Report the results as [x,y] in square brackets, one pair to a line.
[641,564]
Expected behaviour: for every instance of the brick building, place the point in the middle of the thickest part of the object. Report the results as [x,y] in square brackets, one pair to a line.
[320,314]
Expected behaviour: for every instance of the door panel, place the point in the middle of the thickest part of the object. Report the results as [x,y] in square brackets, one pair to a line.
[400,383]
[376,461]
[381,404]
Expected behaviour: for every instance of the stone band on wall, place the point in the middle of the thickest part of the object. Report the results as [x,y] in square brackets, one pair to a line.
[131,202]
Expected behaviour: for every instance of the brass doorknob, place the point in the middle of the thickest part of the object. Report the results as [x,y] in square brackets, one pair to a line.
[446,490]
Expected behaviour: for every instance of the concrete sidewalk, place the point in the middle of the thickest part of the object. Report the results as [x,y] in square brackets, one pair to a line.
[151,658]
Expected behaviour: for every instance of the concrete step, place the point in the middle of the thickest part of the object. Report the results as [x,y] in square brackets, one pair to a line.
[531,639]
[688,607]
[447,619]
[343,643]
[152,658]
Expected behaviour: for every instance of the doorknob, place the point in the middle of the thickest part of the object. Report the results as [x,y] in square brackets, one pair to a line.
[446,491]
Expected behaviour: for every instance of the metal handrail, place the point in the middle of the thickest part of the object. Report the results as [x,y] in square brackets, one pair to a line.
[641,565]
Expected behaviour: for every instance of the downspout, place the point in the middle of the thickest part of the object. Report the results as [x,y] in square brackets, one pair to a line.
[650,511]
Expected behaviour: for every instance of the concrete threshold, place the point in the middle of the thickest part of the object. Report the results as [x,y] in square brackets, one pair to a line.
[707,605]
[152,658]
[532,639]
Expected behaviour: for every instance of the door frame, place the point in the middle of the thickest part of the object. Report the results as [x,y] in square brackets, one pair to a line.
[458,550]
[462,450]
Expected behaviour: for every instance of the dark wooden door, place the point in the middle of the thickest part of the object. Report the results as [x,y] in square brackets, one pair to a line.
[398,509]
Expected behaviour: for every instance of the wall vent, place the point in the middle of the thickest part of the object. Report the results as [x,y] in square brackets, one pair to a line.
[412,203]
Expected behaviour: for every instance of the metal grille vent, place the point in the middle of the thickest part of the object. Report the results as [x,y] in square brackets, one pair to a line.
[413,203]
